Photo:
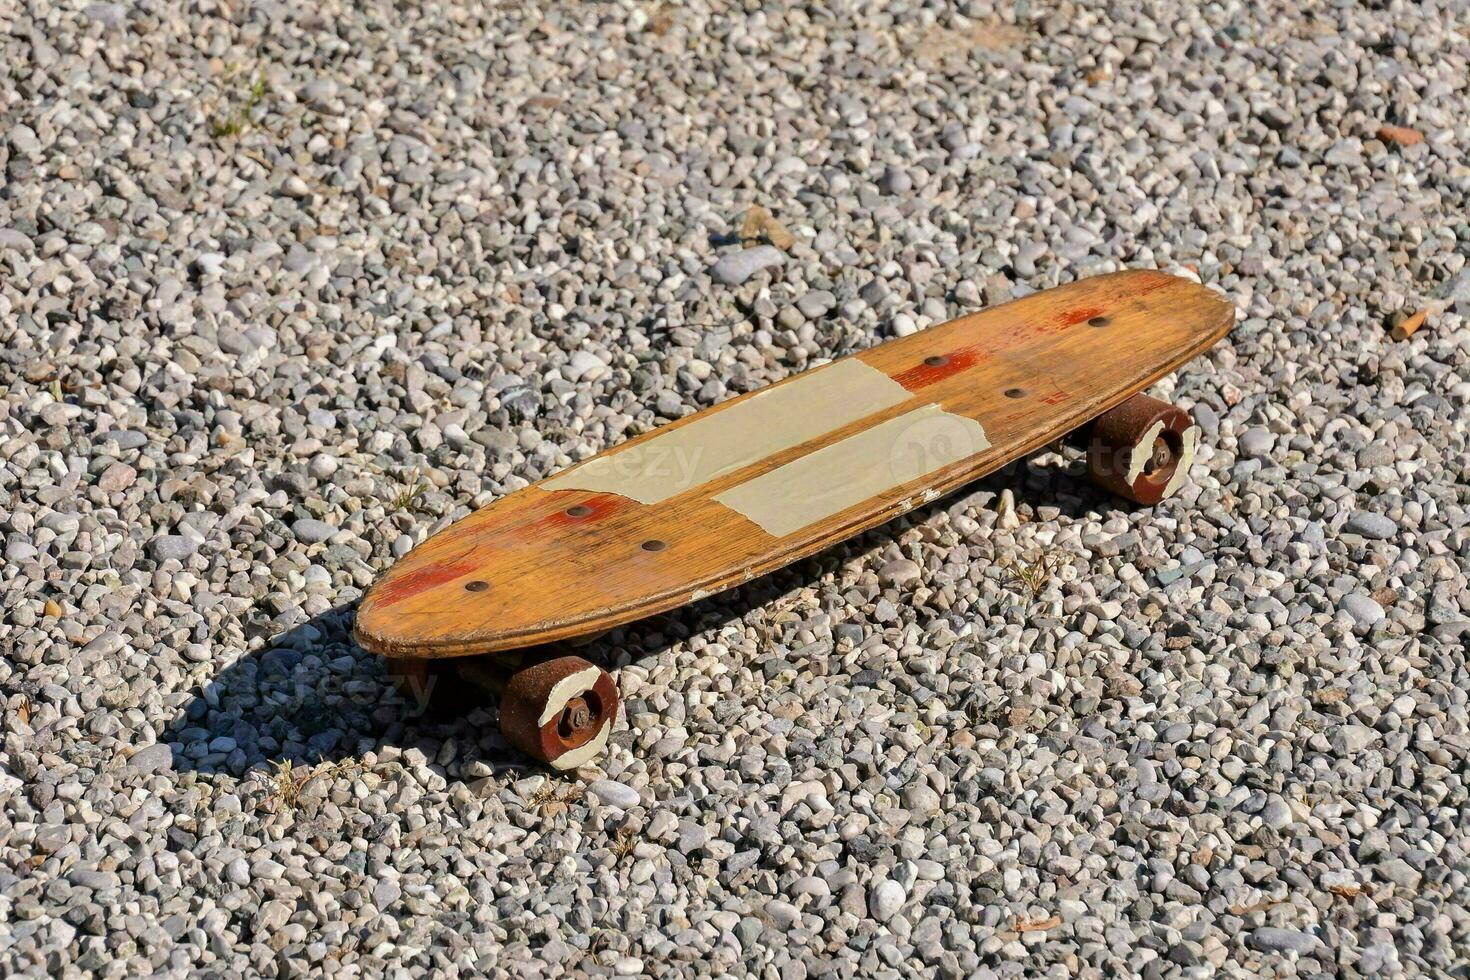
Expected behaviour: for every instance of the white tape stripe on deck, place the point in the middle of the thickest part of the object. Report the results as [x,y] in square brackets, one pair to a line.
[858,468]
[823,399]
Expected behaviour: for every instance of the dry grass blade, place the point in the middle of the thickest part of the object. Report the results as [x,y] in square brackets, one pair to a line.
[550,802]
[289,780]
[1037,574]
[624,842]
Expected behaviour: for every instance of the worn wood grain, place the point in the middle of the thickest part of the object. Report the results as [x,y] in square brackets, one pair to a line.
[539,566]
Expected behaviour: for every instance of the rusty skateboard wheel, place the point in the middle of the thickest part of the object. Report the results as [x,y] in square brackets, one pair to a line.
[1142,449]
[560,711]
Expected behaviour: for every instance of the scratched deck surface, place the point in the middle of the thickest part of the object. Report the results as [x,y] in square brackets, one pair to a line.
[757,482]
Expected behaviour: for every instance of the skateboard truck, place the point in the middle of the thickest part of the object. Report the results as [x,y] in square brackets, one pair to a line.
[559,711]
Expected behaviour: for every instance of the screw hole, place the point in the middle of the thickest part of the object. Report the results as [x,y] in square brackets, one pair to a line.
[578,510]
[476,586]
[1015,392]
[654,545]
[938,360]
[1099,321]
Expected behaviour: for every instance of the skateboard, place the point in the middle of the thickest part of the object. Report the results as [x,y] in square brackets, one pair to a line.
[755,483]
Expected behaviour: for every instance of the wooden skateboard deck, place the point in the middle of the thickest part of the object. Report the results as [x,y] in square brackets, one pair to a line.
[757,482]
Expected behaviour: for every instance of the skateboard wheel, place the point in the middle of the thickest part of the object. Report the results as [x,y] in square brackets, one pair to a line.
[1142,449]
[560,711]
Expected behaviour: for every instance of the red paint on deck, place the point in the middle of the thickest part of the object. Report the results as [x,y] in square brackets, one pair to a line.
[1073,317]
[923,375]
[409,584]
[1155,280]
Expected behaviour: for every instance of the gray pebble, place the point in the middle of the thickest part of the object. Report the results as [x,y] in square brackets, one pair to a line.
[885,899]
[614,793]
[816,303]
[899,572]
[311,531]
[895,180]
[734,268]
[1272,940]
[1364,609]
[1371,525]
[173,546]
[1256,442]
[158,757]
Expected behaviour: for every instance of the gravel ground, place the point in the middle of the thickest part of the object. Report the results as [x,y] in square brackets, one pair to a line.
[286,287]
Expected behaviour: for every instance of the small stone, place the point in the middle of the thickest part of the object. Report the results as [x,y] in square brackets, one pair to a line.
[1276,814]
[584,366]
[1400,872]
[748,931]
[311,531]
[210,263]
[895,180]
[783,915]
[322,466]
[1256,442]
[613,793]
[105,644]
[1005,510]
[735,268]
[385,893]
[319,91]
[158,757]
[1275,117]
[816,303]
[1272,940]
[921,800]
[117,477]
[16,241]
[173,546]
[885,899]
[1364,609]
[110,15]
[1349,740]
[53,837]
[92,878]
[127,438]
[267,869]
[899,572]
[1371,525]
[691,837]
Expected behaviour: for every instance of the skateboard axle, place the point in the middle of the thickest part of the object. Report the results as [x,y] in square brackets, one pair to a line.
[576,719]
[1162,456]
